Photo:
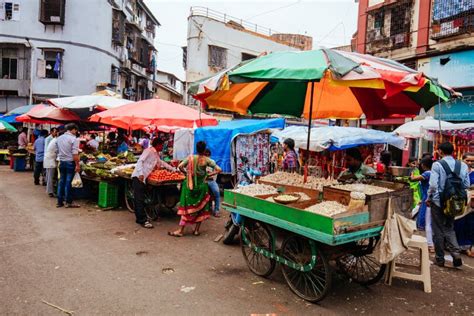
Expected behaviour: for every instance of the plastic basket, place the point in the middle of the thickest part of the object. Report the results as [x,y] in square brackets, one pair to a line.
[108,195]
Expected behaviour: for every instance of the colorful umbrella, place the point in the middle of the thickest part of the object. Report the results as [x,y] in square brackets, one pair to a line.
[338,85]
[6,127]
[153,112]
[43,114]
[413,129]
[88,102]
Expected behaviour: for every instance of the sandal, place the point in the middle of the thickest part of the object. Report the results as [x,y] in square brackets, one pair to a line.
[175,234]
[147,224]
[431,249]
[470,252]
[59,205]
[71,205]
[195,233]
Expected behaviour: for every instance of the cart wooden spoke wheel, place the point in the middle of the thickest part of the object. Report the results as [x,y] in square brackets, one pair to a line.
[129,198]
[360,264]
[257,245]
[305,268]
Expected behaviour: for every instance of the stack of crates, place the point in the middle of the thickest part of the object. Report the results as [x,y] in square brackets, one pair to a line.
[108,195]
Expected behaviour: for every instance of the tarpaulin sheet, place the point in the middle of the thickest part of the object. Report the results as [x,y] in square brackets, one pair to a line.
[337,138]
[219,138]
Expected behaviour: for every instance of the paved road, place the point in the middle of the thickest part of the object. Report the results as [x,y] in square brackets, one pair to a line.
[94,262]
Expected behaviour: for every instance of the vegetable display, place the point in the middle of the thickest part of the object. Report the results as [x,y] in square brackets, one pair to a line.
[256,189]
[363,188]
[295,179]
[327,208]
[163,175]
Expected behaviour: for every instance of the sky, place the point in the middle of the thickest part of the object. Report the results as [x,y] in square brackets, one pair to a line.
[330,22]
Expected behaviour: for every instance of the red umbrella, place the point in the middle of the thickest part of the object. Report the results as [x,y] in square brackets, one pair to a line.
[153,112]
[43,114]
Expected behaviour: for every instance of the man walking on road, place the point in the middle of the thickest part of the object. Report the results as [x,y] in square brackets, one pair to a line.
[39,156]
[148,161]
[442,225]
[68,156]
[50,161]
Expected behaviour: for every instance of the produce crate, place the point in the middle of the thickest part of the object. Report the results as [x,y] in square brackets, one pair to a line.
[313,194]
[318,227]
[402,199]
[108,195]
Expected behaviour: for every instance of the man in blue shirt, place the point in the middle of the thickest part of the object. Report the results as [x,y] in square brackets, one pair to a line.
[442,225]
[39,156]
[68,155]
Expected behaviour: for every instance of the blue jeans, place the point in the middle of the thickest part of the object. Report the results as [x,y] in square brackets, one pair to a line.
[214,187]
[66,170]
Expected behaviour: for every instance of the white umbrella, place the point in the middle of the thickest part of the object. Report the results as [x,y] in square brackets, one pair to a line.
[413,129]
[88,102]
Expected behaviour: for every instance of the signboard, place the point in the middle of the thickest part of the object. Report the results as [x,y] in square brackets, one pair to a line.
[459,109]
[454,70]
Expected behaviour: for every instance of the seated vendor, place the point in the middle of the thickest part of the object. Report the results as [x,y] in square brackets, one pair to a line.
[356,169]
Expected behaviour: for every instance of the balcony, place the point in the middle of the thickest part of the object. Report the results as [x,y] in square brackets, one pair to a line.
[452,26]
[21,86]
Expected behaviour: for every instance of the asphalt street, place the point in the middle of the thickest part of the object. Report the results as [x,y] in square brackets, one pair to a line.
[89,261]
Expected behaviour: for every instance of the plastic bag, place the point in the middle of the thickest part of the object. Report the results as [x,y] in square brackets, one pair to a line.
[415,211]
[77,181]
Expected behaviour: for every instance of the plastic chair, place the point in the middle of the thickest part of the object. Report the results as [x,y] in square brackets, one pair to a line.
[417,242]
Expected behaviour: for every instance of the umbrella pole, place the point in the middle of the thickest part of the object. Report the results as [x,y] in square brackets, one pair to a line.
[309,132]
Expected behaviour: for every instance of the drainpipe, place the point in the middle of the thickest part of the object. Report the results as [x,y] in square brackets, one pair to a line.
[31,70]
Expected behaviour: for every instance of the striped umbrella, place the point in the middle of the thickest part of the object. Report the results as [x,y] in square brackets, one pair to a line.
[7,127]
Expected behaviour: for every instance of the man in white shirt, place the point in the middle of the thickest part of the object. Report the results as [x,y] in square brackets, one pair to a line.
[93,143]
[50,163]
[148,161]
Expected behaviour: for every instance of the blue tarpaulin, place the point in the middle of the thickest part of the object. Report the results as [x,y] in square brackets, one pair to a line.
[219,138]
[10,118]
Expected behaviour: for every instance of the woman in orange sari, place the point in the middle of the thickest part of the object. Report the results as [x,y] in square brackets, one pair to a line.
[194,200]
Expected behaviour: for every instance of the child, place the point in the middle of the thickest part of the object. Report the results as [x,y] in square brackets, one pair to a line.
[415,185]
[423,221]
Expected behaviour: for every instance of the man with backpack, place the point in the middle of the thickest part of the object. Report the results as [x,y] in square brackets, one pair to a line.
[447,197]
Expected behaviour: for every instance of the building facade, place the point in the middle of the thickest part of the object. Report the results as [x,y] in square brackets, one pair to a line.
[217,41]
[169,87]
[108,44]
[433,36]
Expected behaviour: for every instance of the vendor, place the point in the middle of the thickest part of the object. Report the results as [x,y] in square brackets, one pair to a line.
[148,161]
[356,169]
[290,163]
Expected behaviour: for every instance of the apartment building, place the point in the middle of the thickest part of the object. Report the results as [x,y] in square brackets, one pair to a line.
[216,41]
[434,36]
[109,43]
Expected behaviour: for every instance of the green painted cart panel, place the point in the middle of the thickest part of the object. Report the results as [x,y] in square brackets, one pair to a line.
[329,239]
[311,225]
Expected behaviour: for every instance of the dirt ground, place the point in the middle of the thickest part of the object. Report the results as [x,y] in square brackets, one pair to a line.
[100,262]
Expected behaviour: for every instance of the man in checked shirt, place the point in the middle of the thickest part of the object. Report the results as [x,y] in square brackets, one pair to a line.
[148,161]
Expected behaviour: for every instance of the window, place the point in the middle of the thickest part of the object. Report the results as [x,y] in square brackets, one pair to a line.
[399,20]
[118,28]
[217,57]
[246,56]
[10,11]
[9,65]
[52,11]
[114,75]
[172,81]
[379,18]
[46,66]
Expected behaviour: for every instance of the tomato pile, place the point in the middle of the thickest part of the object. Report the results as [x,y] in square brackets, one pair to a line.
[165,175]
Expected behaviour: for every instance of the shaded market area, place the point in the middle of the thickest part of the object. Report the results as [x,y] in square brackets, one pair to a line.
[154,206]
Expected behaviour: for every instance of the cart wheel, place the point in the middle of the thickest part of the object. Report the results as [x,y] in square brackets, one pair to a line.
[259,235]
[152,212]
[129,198]
[313,285]
[360,264]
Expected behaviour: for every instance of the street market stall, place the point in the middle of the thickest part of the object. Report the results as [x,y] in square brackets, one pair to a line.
[460,135]
[322,84]
[230,141]
[154,115]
